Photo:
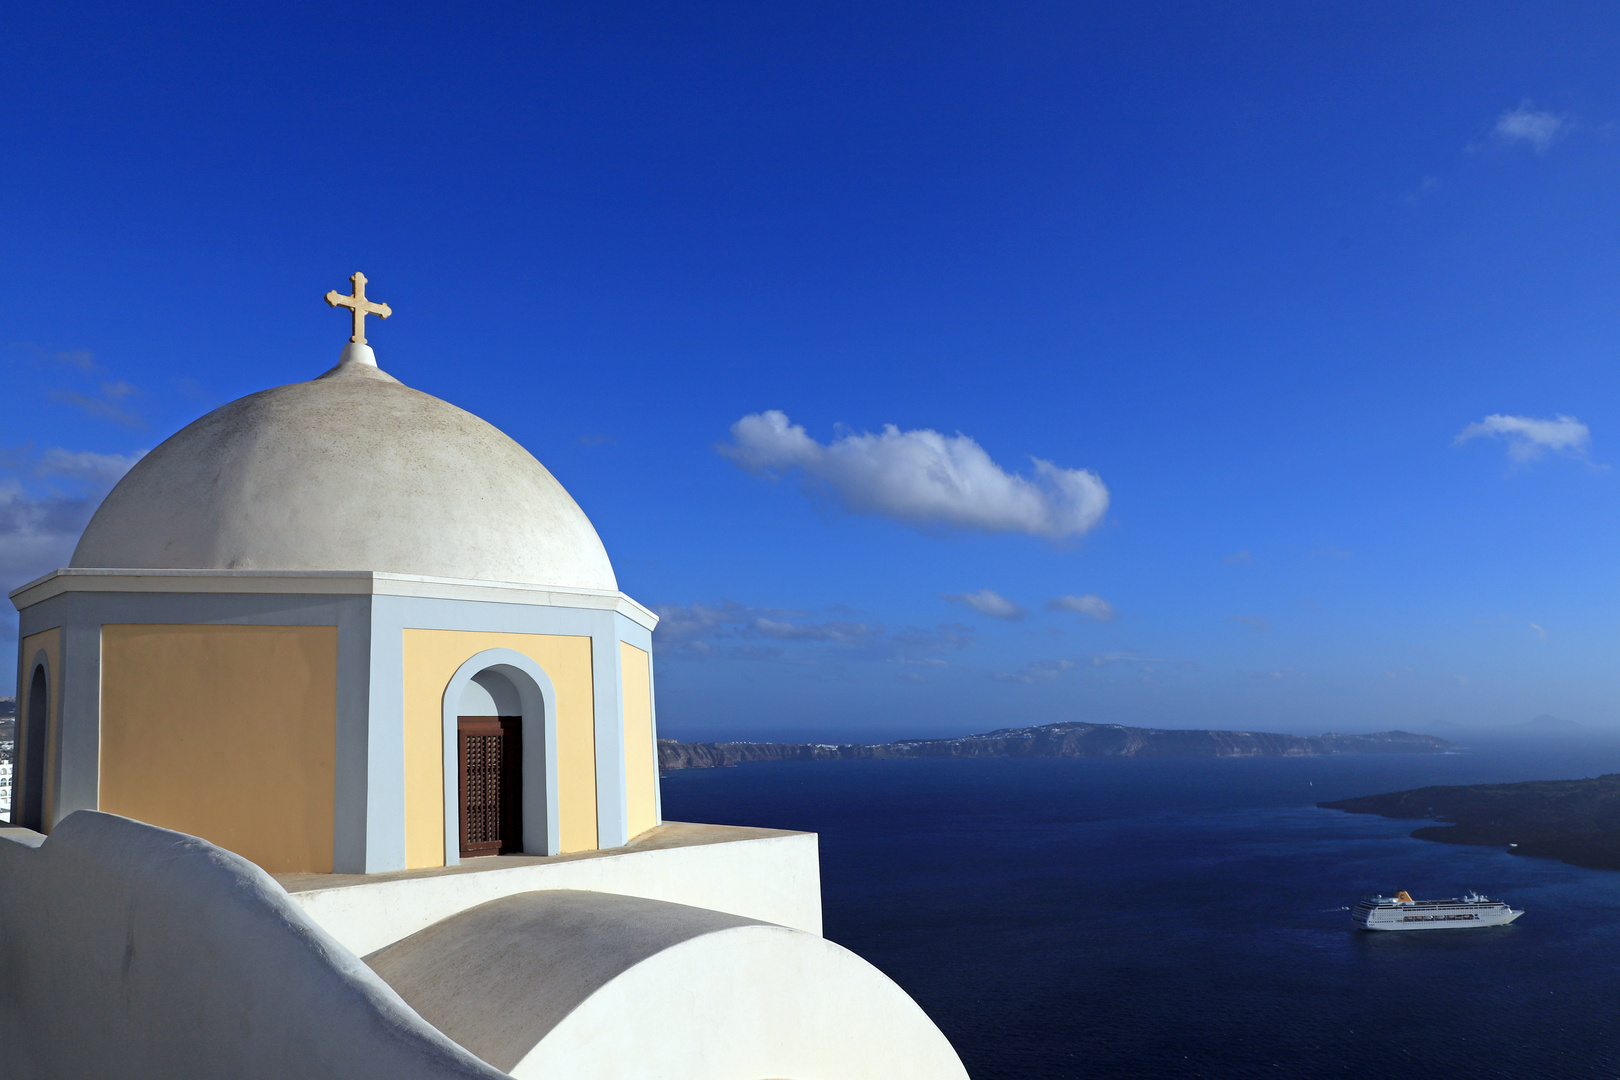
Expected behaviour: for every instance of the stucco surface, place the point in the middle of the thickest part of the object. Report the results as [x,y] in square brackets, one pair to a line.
[135,952]
[350,471]
[224,732]
[632,986]
[474,975]
[745,1003]
[761,874]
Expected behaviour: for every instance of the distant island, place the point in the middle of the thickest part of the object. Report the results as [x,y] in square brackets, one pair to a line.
[1066,740]
[1548,722]
[1576,821]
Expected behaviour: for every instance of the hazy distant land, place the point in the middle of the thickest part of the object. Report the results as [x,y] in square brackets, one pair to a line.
[1577,821]
[1067,740]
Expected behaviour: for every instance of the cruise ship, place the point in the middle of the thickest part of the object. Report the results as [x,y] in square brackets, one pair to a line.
[1401,912]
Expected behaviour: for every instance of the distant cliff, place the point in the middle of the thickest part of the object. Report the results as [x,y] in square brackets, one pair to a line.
[1069,740]
[1577,821]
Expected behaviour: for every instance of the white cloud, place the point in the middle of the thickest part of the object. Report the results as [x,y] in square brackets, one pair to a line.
[38,529]
[988,602]
[1257,623]
[683,629]
[1038,672]
[1238,556]
[1536,629]
[1104,659]
[105,469]
[1087,604]
[1538,129]
[946,637]
[924,478]
[782,630]
[1529,438]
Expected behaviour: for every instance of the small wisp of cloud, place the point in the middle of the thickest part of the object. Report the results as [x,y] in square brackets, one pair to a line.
[105,405]
[1257,623]
[1040,671]
[1237,557]
[731,619]
[988,602]
[1527,126]
[733,631]
[923,478]
[83,359]
[1425,187]
[1536,629]
[1086,604]
[1529,438]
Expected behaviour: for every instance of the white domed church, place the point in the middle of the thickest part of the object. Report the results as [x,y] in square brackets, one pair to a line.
[337,756]
[290,628]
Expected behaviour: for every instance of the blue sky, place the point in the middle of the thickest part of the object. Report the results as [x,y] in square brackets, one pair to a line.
[797,300]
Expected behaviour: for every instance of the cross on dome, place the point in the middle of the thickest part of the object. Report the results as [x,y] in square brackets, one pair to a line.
[359,306]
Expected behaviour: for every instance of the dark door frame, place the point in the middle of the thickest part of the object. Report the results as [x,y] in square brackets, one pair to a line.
[509,777]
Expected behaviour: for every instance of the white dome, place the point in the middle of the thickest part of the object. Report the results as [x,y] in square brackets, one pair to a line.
[353,471]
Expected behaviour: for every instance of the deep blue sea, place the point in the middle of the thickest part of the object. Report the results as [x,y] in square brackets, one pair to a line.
[1181,918]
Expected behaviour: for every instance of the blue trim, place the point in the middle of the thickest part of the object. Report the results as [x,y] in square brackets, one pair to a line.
[78,718]
[633,633]
[607,675]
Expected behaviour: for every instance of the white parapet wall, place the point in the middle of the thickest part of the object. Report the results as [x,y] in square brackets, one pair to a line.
[144,954]
[761,874]
[139,953]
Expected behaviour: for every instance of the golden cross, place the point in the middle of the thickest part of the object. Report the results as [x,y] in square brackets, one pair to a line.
[359,305]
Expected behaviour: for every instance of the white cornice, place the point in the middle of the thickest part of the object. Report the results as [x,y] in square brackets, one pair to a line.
[325,583]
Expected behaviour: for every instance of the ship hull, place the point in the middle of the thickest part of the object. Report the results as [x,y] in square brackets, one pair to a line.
[1425,921]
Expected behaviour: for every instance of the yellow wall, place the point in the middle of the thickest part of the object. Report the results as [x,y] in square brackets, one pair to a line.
[431,658]
[224,732]
[51,642]
[640,754]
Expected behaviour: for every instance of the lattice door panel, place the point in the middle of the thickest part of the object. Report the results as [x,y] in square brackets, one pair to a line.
[490,764]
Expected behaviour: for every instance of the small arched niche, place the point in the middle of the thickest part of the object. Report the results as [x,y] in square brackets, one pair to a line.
[28,774]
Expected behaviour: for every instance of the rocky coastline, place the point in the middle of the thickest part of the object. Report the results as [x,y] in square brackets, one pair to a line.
[1574,821]
[1063,740]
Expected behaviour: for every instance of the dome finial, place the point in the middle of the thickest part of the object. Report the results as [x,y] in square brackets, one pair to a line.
[359,306]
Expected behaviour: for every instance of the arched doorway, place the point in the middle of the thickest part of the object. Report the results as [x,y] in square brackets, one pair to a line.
[30,771]
[504,683]
[489,766]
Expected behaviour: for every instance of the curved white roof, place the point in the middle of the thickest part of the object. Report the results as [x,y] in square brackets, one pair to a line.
[352,471]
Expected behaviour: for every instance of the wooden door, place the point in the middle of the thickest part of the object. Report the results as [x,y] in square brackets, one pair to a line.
[489,761]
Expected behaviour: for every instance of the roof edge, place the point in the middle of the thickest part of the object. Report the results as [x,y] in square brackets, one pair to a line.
[324,582]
